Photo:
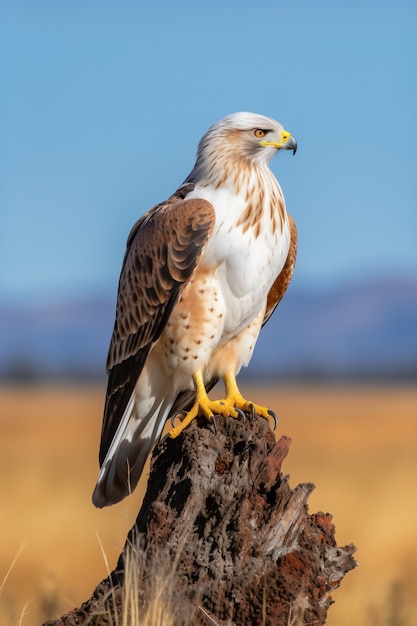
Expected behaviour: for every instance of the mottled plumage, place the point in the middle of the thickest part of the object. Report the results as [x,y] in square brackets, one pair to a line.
[202,273]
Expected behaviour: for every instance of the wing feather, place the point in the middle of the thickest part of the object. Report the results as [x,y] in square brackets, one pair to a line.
[163,250]
[283,279]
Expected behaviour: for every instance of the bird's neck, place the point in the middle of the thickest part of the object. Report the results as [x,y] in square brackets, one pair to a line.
[259,193]
[227,170]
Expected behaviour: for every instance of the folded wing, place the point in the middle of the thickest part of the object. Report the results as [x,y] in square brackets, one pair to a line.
[163,250]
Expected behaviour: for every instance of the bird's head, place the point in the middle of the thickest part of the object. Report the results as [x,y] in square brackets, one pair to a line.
[247,138]
[248,134]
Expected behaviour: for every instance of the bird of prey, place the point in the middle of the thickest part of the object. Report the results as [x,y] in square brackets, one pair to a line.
[203,271]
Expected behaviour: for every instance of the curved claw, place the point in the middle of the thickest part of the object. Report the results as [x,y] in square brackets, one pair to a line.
[241,414]
[252,413]
[212,422]
[274,417]
[176,415]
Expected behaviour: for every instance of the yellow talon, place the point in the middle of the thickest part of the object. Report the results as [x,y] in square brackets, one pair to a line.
[234,397]
[202,406]
[232,406]
[192,413]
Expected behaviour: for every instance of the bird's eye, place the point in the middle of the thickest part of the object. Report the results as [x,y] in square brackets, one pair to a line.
[259,133]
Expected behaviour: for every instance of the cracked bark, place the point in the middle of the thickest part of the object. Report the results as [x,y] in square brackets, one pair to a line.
[221,527]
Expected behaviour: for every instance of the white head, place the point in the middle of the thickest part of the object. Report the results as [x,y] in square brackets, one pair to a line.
[241,138]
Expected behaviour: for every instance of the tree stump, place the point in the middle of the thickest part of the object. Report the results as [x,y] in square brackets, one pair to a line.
[221,538]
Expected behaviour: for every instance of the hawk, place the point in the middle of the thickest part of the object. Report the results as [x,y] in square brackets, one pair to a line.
[203,271]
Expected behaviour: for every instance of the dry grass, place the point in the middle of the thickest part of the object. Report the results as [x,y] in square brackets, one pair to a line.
[146,596]
[358,445]
[147,600]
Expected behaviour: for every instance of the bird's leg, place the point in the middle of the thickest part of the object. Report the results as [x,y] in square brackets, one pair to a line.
[234,405]
[202,406]
[234,398]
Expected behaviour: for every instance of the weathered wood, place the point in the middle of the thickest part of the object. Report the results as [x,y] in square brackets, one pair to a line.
[223,532]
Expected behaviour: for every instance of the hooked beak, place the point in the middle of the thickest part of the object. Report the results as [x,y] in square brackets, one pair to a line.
[287,142]
[290,144]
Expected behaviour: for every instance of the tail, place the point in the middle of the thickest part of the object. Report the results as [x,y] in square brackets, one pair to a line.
[129,449]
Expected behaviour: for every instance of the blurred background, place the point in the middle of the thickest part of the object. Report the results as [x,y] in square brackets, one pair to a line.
[102,106]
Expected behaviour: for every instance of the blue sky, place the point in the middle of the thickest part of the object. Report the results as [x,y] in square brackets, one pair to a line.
[102,105]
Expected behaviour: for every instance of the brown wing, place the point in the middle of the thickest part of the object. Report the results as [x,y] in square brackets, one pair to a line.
[283,279]
[163,250]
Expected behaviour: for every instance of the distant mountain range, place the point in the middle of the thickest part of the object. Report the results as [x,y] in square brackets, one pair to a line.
[362,331]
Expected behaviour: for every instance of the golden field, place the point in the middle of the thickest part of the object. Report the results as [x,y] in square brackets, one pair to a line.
[357,444]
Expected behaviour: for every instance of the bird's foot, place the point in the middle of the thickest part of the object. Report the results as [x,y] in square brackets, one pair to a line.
[234,397]
[229,407]
[203,407]
[245,407]
[234,405]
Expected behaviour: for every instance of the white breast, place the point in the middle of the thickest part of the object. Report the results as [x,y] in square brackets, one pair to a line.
[246,263]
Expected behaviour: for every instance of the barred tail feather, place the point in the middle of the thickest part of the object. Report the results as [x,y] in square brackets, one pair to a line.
[127,454]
